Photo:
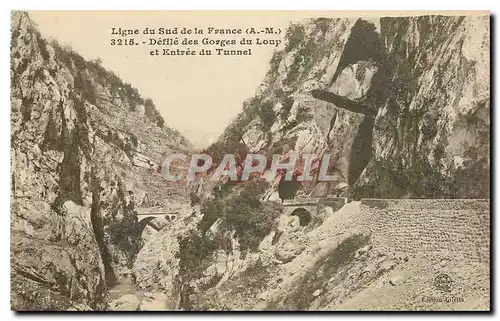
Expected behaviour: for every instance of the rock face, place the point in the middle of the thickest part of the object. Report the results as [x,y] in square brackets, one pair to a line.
[401,104]
[402,107]
[156,267]
[79,145]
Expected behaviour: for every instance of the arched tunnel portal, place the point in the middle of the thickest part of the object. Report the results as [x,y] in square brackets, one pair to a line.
[303,215]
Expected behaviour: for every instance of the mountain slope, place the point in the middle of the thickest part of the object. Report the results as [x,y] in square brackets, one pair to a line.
[85,149]
[402,106]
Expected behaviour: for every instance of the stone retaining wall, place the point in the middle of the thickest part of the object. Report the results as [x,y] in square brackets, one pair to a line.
[459,227]
[314,205]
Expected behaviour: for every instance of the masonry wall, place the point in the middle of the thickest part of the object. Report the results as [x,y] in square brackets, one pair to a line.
[459,227]
[314,205]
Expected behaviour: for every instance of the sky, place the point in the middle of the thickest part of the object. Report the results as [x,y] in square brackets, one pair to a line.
[198,96]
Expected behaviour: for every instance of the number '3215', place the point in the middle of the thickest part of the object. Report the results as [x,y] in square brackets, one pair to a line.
[123,42]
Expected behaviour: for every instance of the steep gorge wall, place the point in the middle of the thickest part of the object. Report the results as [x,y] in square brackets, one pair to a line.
[401,104]
[77,131]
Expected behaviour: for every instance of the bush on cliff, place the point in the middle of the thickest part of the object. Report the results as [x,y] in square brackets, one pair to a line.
[242,212]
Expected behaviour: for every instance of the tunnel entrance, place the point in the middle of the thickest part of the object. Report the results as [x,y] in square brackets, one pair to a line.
[288,189]
[304,216]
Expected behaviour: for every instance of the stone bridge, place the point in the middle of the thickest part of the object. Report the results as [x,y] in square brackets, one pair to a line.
[307,208]
[147,214]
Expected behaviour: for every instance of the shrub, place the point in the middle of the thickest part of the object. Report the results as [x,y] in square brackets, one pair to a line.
[212,211]
[244,213]
[251,221]
[287,103]
[152,113]
[85,87]
[241,212]
[275,62]
[194,253]
[266,115]
[295,34]
[232,145]
[323,24]
[58,207]
[134,140]
[257,107]
[42,45]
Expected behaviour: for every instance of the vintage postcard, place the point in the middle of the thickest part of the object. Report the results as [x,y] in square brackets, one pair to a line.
[250,161]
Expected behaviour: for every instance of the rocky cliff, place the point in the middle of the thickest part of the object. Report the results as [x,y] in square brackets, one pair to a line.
[85,147]
[401,104]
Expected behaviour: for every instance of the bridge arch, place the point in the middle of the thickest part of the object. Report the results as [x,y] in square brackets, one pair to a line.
[142,224]
[303,214]
[145,220]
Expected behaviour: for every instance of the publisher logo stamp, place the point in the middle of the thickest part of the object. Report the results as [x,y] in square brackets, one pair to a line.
[443,282]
